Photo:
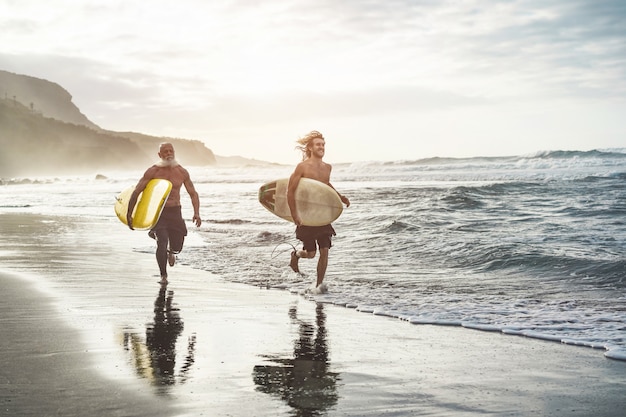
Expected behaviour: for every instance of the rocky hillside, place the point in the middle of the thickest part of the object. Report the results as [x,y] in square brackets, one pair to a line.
[36,145]
[43,133]
[43,97]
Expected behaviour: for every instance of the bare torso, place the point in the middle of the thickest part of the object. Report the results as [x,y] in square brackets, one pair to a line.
[176,175]
[314,169]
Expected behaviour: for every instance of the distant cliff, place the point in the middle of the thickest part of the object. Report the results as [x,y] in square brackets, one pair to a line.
[36,145]
[188,152]
[42,96]
[43,133]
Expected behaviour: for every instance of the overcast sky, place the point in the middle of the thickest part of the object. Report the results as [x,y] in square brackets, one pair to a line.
[382,80]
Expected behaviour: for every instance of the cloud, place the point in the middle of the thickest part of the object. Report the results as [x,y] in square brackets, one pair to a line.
[476,47]
[264,69]
[560,48]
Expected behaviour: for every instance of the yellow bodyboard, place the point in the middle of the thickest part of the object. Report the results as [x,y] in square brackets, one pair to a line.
[149,205]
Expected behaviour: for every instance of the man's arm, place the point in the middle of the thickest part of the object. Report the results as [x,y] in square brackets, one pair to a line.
[195,201]
[343,198]
[141,185]
[294,180]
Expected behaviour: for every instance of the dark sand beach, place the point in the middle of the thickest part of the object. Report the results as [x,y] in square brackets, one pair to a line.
[88,331]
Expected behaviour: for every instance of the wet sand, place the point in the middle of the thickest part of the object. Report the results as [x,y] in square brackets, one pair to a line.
[89,331]
[43,372]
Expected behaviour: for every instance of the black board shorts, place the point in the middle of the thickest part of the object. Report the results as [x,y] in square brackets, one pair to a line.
[172,220]
[314,236]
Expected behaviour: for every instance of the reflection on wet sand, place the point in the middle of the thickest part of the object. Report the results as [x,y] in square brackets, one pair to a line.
[304,382]
[155,358]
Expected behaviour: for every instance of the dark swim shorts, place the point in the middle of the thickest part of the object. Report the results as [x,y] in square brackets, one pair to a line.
[314,236]
[172,219]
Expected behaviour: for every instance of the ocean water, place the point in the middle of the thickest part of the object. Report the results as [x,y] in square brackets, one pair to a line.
[531,245]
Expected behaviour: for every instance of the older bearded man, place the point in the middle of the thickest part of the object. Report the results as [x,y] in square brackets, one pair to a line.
[170,231]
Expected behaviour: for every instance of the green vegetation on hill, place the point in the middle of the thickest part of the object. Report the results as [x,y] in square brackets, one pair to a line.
[36,145]
[43,96]
[35,142]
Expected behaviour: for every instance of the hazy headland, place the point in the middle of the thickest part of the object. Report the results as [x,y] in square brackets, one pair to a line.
[42,132]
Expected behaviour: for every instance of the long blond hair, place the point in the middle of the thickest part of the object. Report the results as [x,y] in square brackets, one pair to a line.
[305,141]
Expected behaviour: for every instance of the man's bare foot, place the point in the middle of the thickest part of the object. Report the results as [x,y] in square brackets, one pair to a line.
[163,280]
[320,289]
[171,258]
[294,262]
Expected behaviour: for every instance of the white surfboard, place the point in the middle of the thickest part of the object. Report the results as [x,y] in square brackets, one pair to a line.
[149,205]
[317,203]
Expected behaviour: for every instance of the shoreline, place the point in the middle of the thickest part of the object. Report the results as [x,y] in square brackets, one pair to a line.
[46,369]
[90,332]
[365,366]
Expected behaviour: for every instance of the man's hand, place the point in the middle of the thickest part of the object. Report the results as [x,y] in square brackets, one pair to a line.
[344,200]
[197,220]
[129,221]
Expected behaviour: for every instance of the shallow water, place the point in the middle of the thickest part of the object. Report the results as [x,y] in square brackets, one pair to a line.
[524,245]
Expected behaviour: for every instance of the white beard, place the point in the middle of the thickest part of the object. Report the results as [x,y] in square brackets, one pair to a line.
[165,163]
